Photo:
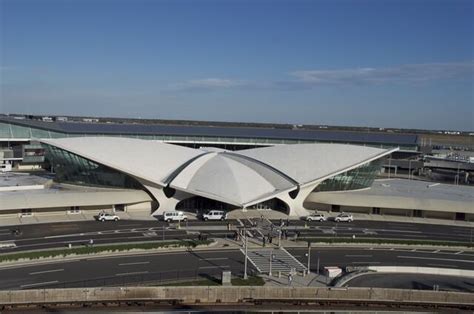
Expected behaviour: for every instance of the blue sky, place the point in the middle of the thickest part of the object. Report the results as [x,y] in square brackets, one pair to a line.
[364,63]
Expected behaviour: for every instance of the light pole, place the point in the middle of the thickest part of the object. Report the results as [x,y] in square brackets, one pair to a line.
[309,257]
[245,262]
[271,262]
[279,237]
[389,165]
[409,169]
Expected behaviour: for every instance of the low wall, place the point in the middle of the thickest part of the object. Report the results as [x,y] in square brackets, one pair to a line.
[237,295]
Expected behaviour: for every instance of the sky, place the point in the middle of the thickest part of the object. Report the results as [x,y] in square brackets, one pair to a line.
[380,63]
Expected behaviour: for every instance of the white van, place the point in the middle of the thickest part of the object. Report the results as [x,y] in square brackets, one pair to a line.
[215,215]
[174,216]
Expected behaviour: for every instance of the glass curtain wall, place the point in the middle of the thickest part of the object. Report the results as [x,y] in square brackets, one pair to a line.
[358,178]
[71,168]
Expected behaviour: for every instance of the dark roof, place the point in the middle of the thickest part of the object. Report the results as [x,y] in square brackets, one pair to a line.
[214,131]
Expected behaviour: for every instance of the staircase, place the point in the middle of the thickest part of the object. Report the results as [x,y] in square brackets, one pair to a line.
[282,261]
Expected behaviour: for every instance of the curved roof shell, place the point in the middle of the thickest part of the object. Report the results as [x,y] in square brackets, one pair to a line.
[150,160]
[240,178]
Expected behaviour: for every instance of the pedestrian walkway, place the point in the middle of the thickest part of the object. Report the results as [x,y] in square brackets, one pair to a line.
[274,260]
[310,280]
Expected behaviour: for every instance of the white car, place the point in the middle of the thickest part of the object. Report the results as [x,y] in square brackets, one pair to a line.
[174,216]
[316,217]
[107,217]
[343,217]
[215,215]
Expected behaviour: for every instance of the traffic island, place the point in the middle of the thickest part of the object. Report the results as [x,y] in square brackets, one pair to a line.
[102,250]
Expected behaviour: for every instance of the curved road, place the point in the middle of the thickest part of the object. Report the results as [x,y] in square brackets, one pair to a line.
[166,266]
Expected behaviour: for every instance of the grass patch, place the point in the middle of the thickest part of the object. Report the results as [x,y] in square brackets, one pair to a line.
[251,281]
[102,248]
[384,241]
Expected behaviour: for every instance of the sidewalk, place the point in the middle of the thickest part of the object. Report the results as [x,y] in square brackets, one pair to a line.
[310,280]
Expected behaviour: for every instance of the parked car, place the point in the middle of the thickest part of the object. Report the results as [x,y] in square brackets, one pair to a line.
[215,215]
[107,217]
[174,216]
[344,217]
[316,217]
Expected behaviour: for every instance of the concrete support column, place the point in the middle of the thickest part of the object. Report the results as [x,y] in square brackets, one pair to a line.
[166,203]
[296,205]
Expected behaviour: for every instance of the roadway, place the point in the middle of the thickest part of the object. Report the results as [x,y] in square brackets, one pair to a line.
[168,266]
[56,235]
[413,281]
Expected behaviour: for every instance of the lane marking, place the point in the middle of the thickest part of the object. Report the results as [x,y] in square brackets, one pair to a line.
[460,252]
[38,284]
[134,263]
[46,271]
[133,273]
[209,267]
[365,262]
[358,255]
[214,259]
[443,265]
[437,259]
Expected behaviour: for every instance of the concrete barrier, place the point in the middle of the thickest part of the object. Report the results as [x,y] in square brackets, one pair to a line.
[236,295]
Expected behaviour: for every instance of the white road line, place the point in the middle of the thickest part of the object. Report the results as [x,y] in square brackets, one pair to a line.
[365,262]
[134,263]
[208,267]
[133,273]
[443,265]
[358,255]
[437,251]
[5,233]
[437,259]
[214,259]
[460,252]
[46,271]
[38,284]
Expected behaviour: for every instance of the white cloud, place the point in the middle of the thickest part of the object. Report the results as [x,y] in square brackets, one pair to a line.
[402,73]
[307,79]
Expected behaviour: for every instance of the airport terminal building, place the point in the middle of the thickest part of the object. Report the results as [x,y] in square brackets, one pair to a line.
[121,172]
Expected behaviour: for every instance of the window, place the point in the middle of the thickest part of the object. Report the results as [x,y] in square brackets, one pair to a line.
[26,212]
[358,178]
[75,169]
[74,210]
[376,211]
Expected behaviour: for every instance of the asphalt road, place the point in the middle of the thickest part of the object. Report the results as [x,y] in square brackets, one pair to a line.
[412,281]
[55,235]
[162,267]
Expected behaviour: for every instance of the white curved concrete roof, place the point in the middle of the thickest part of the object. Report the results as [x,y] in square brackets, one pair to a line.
[306,163]
[230,179]
[150,160]
[240,178]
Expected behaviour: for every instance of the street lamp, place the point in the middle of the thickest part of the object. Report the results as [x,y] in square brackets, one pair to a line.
[245,262]
[409,169]
[272,256]
[308,255]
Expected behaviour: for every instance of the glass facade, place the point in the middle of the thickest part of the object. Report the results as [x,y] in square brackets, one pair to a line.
[358,178]
[71,168]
